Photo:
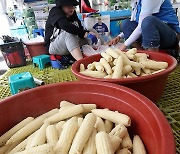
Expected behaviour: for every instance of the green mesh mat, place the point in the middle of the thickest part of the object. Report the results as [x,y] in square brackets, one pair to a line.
[48,75]
[169,103]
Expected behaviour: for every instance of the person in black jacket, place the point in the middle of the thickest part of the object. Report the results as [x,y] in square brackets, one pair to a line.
[64,33]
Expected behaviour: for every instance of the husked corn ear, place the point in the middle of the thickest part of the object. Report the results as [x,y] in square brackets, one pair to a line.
[87,107]
[123,151]
[146,70]
[132,51]
[91,67]
[65,114]
[118,71]
[20,147]
[66,103]
[130,56]
[4,148]
[99,67]
[127,69]
[115,141]
[119,130]
[59,127]
[67,136]
[31,127]
[41,149]
[158,71]
[12,146]
[107,57]
[82,67]
[138,146]
[108,126]
[90,147]
[52,134]
[40,137]
[30,138]
[112,53]
[114,117]
[132,75]
[127,142]
[99,125]
[83,134]
[95,74]
[12,131]
[80,120]
[103,143]
[151,64]
[106,66]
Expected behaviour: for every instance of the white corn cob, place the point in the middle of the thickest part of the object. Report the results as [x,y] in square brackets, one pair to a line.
[137,70]
[82,67]
[114,117]
[115,141]
[151,64]
[30,138]
[90,147]
[12,131]
[132,51]
[87,107]
[158,71]
[67,136]
[118,71]
[106,66]
[127,142]
[130,56]
[123,151]
[99,67]
[108,77]
[99,125]
[91,67]
[80,121]
[83,134]
[107,57]
[52,134]
[112,53]
[127,69]
[103,143]
[40,137]
[95,74]
[138,146]
[41,149]
[119,130]
[146,70]
[22,145]
[12,146]
[65,114]
[66,103]
[59,127]
[31,127]
[132,75]
[108,126]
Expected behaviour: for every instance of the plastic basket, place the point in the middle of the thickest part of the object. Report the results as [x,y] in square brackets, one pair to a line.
[13,54]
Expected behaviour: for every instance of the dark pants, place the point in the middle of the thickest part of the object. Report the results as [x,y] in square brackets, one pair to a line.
[155,33]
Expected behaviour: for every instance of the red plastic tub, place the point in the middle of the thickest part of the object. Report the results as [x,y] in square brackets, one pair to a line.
[147,120]
[36,49]
[151,86]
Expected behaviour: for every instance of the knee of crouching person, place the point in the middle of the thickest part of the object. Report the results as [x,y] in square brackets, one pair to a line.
[148,22]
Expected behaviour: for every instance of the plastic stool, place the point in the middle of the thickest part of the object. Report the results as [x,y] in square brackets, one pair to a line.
[39,32]
[20,81]
[41,60]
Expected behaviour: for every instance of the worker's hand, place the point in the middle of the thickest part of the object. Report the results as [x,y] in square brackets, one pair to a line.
[115,40]
[86,35]
[122,47]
